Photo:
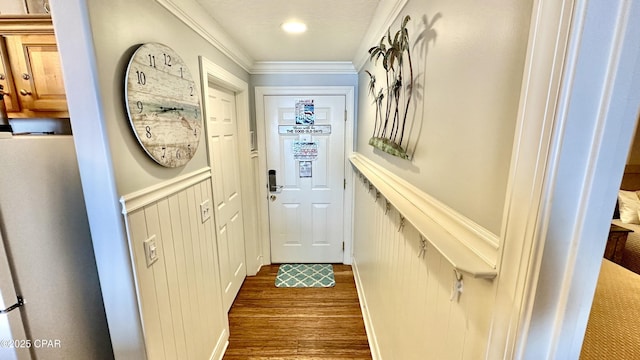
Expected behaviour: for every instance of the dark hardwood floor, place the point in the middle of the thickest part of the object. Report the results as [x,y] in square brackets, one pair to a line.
[266,322]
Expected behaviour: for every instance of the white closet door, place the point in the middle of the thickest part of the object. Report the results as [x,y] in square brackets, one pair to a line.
[222,133]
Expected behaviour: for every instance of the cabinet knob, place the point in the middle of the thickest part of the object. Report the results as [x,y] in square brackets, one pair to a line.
[26,76]
[24,92]
[2,77]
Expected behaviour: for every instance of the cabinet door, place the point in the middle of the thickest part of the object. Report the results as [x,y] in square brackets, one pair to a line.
[6,80]
[37,72]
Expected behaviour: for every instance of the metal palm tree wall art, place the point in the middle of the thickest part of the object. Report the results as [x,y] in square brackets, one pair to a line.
[392,102]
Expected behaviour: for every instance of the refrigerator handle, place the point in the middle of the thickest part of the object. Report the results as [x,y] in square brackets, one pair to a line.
[14,306]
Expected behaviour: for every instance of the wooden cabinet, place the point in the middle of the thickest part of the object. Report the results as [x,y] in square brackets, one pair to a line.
[31,71]
[37,73]
[6,80]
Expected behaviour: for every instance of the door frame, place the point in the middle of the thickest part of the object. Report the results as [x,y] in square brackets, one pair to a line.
[214,75]
[349,93]
[578,107]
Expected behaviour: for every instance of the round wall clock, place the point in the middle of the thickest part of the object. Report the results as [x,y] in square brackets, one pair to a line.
[163,105]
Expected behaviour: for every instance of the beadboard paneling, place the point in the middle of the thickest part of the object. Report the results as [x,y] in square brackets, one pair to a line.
[179,295]
[406,298]
[466,245]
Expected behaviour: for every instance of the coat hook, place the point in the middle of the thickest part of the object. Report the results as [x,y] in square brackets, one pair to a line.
[387,207]
[423,246]
[377,194]
[401,223]
[456,289]
[370,187]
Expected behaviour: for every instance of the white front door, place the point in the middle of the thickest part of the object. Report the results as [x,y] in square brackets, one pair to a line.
[12,332]
[306,201]
[222,135]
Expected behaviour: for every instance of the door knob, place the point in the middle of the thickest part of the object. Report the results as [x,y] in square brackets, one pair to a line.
[272,197]
[24,92]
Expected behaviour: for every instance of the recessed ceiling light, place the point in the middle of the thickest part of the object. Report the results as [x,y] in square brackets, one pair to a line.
[294,27]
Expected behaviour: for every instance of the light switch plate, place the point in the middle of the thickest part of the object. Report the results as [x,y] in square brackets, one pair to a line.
[205,210]
[151,250]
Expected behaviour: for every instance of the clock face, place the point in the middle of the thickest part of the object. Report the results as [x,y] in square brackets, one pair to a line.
[163,105]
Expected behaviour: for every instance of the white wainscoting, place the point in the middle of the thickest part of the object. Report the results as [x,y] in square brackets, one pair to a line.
[179,295]
[469,247]
[406,298]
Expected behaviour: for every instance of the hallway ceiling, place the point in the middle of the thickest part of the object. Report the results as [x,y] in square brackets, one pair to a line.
[335,27]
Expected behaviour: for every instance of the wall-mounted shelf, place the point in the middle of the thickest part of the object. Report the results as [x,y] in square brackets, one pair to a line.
[454,250]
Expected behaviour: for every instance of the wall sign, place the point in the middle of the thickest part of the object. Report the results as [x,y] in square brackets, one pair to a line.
[300,129]
[305,150]
[305,112]
[305,169]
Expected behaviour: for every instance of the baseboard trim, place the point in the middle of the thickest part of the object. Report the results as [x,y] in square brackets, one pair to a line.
[366,316]
[220,349]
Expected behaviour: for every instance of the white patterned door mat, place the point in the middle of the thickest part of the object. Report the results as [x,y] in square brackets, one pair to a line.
[305,275]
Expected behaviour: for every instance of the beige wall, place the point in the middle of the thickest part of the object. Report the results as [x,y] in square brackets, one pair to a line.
[11,7]
[464,125]
[116,36]
[463,133]
[96,40]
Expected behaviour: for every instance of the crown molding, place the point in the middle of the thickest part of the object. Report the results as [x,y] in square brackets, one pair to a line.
[386,13]
[303,67]
[196,17]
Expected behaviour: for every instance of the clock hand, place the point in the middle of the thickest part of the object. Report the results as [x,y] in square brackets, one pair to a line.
[165,109]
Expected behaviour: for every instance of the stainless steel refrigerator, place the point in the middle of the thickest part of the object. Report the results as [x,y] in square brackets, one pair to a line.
[46,255]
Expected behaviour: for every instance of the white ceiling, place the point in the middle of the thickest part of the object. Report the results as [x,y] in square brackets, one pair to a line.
[336,28]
